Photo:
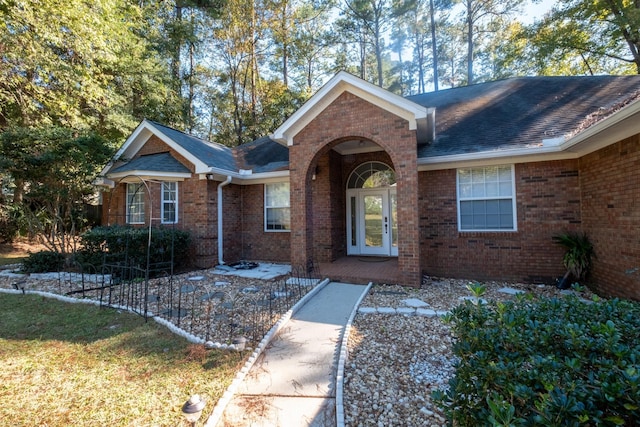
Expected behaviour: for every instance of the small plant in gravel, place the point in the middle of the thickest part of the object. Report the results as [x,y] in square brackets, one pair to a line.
[560,362]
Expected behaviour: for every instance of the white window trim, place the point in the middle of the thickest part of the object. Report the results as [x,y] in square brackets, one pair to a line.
[266,208]
[163,201]
[141,191]
[512,197]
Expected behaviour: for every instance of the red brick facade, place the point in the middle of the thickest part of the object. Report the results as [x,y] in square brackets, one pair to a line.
[598,194]
[547,203]
[610,184]
[351,117]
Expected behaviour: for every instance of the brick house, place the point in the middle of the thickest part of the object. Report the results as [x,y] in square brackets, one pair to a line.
[470,182]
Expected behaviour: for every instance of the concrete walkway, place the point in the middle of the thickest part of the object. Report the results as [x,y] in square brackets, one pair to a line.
[293,381]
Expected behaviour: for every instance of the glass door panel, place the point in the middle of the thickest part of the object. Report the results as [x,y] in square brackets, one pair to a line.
[375,223]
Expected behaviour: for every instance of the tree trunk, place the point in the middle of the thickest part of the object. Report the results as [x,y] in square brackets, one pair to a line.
[434,45]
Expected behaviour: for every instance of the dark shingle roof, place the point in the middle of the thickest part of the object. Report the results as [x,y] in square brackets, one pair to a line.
[263,155]
[161,162]
[211,154]
[518,112]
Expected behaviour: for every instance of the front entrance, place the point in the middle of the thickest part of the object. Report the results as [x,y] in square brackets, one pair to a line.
[372,227]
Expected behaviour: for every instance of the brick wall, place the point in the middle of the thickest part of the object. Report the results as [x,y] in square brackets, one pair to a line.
[257,244]
[610,182]
[547,203]
[350,117]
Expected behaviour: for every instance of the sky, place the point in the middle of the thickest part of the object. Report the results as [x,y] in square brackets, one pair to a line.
[535,11]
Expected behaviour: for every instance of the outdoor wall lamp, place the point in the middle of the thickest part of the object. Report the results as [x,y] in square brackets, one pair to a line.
[192,409]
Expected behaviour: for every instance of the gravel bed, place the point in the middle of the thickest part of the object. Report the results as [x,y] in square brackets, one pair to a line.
[210,306]
[396,360]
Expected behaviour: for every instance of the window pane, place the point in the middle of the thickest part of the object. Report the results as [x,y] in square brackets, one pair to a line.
[491,189]
[486,198]
[277,211]
[169,202]
[278,219]
[135,204]
[505,173]
[491,174]
[465,190]
[464,176]
[505,188]
[478,190]
[277,195]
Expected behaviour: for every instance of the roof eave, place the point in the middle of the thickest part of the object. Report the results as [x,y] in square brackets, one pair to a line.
[148,174]
[618,126]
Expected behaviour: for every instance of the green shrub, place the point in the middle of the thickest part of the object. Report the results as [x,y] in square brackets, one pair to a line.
[552,362]
[113,244]
[43,262]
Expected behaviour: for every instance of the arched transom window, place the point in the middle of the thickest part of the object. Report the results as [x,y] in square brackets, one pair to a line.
[372,175]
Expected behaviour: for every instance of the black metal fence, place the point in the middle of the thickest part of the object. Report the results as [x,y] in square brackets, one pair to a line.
[212,307]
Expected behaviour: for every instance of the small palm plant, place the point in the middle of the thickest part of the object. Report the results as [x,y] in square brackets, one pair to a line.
[578,254]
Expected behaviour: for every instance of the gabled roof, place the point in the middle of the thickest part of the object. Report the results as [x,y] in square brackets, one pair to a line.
[417,115]
[161,163]
[209,153]
[260,159]
[525,113]
[205,156]
[524,118]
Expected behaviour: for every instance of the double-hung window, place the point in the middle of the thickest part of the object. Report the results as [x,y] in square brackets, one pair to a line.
[486,199]
[277,209]
[169,205]
[135,203]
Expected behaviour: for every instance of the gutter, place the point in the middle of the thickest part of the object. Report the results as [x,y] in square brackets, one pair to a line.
[220,228]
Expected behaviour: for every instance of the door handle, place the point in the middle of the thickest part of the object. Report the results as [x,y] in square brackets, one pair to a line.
[386,224]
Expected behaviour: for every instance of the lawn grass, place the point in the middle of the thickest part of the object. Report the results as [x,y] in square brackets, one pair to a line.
[76,364]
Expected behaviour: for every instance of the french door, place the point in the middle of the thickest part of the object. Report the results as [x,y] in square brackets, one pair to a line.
[371,222]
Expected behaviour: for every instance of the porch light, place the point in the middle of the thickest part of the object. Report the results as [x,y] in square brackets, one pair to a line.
[192,409]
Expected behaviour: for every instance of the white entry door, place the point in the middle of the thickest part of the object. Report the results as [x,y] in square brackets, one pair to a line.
[372,227]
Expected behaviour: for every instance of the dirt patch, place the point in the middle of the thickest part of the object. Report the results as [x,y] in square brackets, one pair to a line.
[20,248]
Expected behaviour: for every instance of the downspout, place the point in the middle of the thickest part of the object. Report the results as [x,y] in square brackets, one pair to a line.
[220,228]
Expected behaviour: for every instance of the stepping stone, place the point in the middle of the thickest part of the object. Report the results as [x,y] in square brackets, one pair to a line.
[221,284]
[406,311]
[511,291]
[212,295]
[367,310]
[415,303]
[425,312]
[386,310]
[250,290]
[196,278]
[174,312]
[187,289]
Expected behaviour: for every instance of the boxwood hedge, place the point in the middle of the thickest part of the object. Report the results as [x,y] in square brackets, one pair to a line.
[544,362]
[118,244]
